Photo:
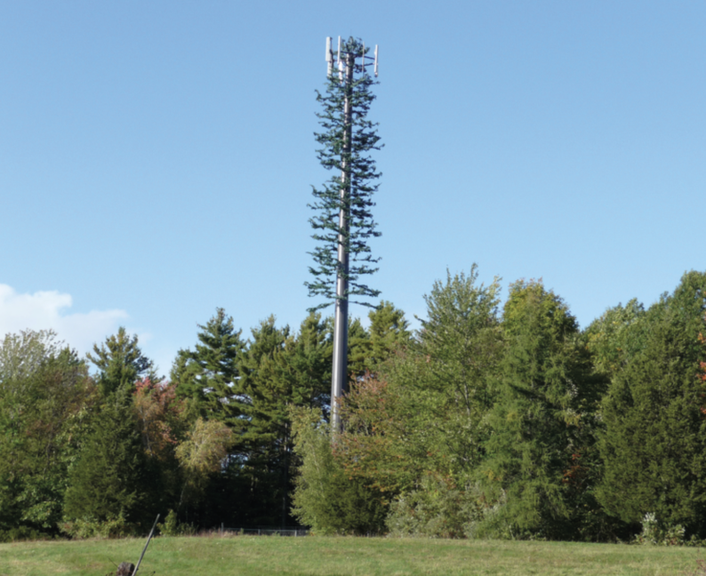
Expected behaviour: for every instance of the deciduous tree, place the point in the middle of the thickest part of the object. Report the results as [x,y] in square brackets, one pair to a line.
[46,396]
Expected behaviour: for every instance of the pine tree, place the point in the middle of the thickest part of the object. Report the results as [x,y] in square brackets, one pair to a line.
[326,497]
[120,363]
[208,374]
[110,482]
[346,143]
[308,363]
[279,370]
[388,333]
[358,349]
[113,487]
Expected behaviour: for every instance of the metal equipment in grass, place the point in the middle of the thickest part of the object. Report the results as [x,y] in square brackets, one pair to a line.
[128,568]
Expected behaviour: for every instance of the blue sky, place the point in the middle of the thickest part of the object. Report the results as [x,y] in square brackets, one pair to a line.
[156,158]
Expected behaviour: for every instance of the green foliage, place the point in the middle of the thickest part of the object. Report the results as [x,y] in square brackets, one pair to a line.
[263,434]
[325,497]
[388,334]
[437,509]
[208,374]
[109,483]
[656,534]
[278,370]
[461,343]
[654,445]
[358,348]
[249,385]
[415,428]
[202,454]
[477,426]
[113,486]
[45,395]
[386,442]
[20,533]
[21,355]
[172,527]
[308,363]
[109,527]
[538,416]
[120,363]
[615,337]
[345,145]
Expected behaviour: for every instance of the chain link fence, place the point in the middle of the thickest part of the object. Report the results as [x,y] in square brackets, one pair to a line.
[269,531]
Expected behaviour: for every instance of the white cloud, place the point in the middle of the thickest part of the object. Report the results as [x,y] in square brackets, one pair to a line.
[49,310]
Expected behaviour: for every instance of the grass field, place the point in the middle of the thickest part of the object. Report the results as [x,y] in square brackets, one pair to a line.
[251,555]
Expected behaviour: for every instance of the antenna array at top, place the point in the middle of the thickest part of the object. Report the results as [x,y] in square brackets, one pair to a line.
[340,61]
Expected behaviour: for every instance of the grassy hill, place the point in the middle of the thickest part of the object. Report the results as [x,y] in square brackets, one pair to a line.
[250,556]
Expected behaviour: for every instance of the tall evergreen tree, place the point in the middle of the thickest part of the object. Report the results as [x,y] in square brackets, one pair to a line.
[120,362]
[279,370]
[389,332]
[654,445]
[264,439]
[308,363]
[110,482]
[112,485]
[537,418]
[208,374]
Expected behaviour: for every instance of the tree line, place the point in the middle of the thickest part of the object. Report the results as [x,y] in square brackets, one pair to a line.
[489,420]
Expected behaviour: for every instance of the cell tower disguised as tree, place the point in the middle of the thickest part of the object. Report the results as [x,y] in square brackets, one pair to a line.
[343,222]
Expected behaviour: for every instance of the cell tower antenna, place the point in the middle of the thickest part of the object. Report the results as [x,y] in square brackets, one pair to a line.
[329,57]
[347,67]
[340,62]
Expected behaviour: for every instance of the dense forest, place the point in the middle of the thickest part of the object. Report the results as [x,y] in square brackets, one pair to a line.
[493,419]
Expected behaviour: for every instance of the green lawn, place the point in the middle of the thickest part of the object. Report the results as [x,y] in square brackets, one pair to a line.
[250,555]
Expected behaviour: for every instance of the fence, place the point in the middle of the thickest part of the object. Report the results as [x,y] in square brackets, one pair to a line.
[269,531]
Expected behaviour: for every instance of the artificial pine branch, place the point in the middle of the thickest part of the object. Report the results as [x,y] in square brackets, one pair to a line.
[361,177]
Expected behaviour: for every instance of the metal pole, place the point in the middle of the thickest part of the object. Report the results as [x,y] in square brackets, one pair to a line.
[145,548]
[339,379]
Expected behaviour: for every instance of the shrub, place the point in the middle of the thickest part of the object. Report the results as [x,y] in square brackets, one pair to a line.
[172,527]
[113,527]
[326,498]
[653,532]
[437,509]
